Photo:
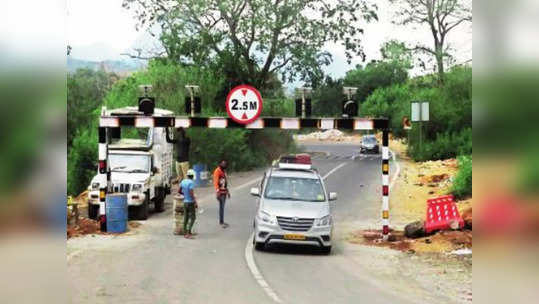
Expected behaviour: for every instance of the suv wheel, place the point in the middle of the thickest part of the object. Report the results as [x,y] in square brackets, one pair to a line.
[258,245]
[93,211]
[159,203]
[326,250]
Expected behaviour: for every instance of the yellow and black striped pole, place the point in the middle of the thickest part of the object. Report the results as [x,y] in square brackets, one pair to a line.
[385,184]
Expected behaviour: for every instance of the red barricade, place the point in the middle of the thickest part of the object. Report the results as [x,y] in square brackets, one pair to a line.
[441,213]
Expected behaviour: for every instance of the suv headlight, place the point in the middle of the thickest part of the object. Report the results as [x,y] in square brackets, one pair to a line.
[136,187]
[95,186]
[325,221]
[266,217]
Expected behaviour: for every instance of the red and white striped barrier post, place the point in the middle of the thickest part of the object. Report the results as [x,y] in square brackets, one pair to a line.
[385,184]
[104,176]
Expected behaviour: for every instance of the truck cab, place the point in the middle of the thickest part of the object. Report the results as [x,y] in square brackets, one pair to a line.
[139,167]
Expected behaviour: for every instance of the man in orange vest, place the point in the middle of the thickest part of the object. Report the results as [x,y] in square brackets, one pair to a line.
[220,182]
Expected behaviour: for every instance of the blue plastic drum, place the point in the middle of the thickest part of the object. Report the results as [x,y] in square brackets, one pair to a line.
[116,212]
[201,175]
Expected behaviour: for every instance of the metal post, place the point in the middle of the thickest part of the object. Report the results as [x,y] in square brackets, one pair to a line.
[192,102]
[385,184]
[303,105]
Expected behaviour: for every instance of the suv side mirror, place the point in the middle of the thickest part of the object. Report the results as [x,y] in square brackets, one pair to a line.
[155,170]
[255,192]
[333,196]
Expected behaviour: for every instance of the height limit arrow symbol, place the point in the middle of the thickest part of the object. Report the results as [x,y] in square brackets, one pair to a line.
[244,92]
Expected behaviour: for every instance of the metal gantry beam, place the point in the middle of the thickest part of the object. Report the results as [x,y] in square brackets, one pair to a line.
[288,123]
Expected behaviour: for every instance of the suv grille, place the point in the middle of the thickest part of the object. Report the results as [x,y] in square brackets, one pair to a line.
[295,224]
[122,188]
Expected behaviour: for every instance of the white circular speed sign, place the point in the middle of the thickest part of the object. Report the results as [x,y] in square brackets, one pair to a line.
[244,104]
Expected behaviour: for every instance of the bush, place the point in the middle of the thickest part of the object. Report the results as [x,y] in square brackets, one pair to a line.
[462,186]
[81,161]
[448,133]
[446,145]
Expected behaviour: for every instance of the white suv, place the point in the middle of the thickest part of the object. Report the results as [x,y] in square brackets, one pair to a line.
[293,207]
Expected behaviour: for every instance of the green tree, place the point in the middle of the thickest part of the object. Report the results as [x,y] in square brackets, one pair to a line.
[86,89]
[376,74]
[327,98]
[441,17]
[251,39]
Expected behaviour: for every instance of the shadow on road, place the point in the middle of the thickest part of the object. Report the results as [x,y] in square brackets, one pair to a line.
[294,250]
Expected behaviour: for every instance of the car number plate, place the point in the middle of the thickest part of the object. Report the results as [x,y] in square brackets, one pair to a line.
[300,237]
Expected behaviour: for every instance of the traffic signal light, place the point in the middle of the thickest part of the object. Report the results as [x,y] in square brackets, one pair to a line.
[197,105]
[308,106]
[146,105]
[350,106]
[303,95]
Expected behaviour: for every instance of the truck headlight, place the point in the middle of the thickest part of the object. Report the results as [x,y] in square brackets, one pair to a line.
[136,187]
[266,217]
[325,221]
[95,186]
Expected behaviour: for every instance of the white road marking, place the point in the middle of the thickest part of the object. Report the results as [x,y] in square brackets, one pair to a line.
[256,273]
[333,170]
[249,258]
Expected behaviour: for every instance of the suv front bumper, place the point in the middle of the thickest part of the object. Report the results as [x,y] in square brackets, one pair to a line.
[133,199]
[273,234]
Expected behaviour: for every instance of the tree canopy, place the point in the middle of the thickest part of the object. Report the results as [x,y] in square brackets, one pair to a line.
[249,40]
[441,17]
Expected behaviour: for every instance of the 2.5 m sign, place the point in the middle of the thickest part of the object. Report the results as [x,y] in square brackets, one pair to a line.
[244,104]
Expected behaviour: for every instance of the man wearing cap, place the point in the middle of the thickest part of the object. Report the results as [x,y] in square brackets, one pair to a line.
[189,203]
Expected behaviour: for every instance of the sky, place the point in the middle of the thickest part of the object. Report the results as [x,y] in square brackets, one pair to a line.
[102,29]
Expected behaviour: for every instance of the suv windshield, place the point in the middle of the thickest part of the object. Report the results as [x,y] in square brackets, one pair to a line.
[369,140]
[292,188]
[129,163]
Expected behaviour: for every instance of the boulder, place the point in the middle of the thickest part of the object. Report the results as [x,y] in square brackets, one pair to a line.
[467,217]
[414,230]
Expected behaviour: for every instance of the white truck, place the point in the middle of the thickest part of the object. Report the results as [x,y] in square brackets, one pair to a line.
[141,168]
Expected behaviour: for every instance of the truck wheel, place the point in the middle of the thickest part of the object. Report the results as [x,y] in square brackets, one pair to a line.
[142,210]
[93,211]
[159,203]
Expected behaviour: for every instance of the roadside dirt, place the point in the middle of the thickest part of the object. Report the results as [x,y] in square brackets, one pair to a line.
[88,226]
[444,241]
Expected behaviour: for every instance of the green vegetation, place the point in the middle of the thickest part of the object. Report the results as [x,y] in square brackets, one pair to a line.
[244,149]
[265,44]
[462,186]
[448,133]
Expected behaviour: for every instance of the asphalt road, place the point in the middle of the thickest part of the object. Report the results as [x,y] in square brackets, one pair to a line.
[154,266]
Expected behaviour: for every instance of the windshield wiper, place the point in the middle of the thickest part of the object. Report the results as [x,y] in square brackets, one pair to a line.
[286,198]
[137,171]
[118,168]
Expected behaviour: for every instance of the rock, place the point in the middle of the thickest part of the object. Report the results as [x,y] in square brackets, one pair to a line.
[467,217]
[391,238]
[428,241]
[454,224]
[414,230]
